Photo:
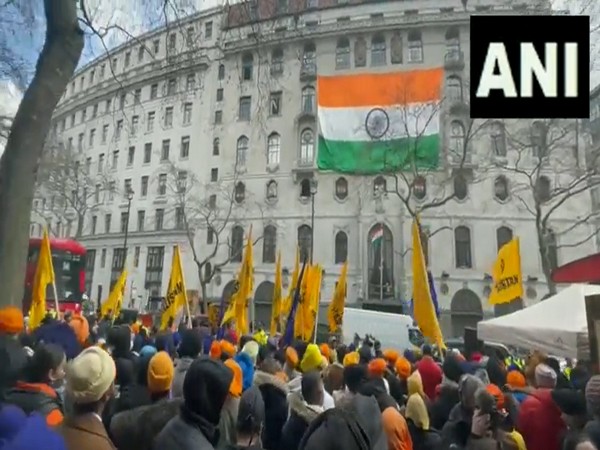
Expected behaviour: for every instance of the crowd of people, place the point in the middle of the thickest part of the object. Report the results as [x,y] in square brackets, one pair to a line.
[72,385]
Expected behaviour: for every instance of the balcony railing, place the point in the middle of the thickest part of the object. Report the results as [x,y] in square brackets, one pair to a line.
[454,60]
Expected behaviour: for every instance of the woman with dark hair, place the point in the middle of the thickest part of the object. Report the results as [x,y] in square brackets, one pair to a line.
[36,390]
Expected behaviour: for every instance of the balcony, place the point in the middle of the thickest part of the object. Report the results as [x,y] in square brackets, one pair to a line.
[308,71]
[454,60]
[304,168]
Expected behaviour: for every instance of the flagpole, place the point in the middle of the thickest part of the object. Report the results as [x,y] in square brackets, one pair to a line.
[55,298]
[381,264]
[189,314]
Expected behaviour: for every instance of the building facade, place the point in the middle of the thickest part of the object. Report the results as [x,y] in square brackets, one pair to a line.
[195,134]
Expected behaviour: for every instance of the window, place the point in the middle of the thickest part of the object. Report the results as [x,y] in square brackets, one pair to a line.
[88,165]
[503,236]
[454,89]
[172,42]
[141,220]
[162,184]
[277,62]
[168,117]
[189,36]
[140,54]
[83,115]
[127,59]
[159,219]
[208,30]
[137,96]
[150,122]
[308,100]
[107,106]
[70,144]
[104,136]
[237,243]
[457,138]
[498,138]
[272,190]
[396,48]
[136,256]
[95,111]
[538,139]
[80,142]
[214,174]
[216,149]
[501,188]
[275,103]
[342,54]
[147,152]
[309,60]
[244,108]
[187,113]
[210,236]
[341,247]
[144,186]
[304,242]
[92,76]
[241,153]
[155,46]
[119,129]
[212,201]
[165,149]
[122,101]
[182,177]
[218,117]
[551,253]
[378,51]
[100,162]
[220,94]
[103,258]
[154,270]
[239,194]
[107,223]
[269,244]
[190,82]
[184,150]
[542,189]
[171,86]
[179,218]
[221,72]
[273,149]
[94,224]
[112,187]
[453,41]
[153,91]
[124,222]
[379,186]
[115,160]
[92,137]
[341,188]
[72,120]
[461,189]
[135,121]
[307,146]
[102,70]
[462,244]
[305,188]
[415,47]
[130,156]
[247,66]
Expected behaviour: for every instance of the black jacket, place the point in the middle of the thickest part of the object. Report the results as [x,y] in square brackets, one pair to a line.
[274,393]
[13,359]
[34,397]
[439,411]
[424,439]
[301,416]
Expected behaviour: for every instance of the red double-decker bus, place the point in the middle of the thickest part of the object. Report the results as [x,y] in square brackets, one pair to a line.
[68,259]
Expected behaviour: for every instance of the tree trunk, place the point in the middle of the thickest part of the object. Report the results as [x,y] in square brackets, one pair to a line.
[542,245]
[80,223]
[55,67]
[204,302]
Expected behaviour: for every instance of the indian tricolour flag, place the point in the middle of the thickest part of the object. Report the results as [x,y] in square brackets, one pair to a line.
[375,122]
[377,236]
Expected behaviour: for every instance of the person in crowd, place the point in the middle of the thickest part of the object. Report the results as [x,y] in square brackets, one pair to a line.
[562,382]
[584,443]
[61,334]
[334,377]
[274,393]
[517,383]
[136,394]
[394,424]
[188,350]
[304,408]
[355,376]
[141,340]
[431,374]
[539,419]
[229,413]
[36,391]
[90,385]
[205,389]
[246,362]
[448,396]
[291,363]
[457,429]
[81,328]
[251,349]
[29,433]
[250,421]
[573,407]
[160,376]
[422,436]
[12,354]
[414,385]
[486,432]
[312,360]
[377,369]
[592,399]
[507,407]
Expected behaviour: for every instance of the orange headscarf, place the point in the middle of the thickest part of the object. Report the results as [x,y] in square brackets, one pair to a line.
[498,395]
[391,356]
[11,320]
[403,367]
[215,350]
[377,367]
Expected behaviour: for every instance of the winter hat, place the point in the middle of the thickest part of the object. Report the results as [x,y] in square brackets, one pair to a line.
[227,348]
[148,350]
[312,359]
[545,376]
[410,355]
[592,395]
[12,419]
[11,320]
[61,334]
[90,375]
[377,367]
[191,344]
[81,327]
[351,359]
[391,356]
[251,410]
[570,402]
[36,434]
[251,349]
[160,373]
[291,357]
[237,384]
[215,350]
[403,367]
[247,366]
[497,394]
[325,351]
[516,379]
[451,367]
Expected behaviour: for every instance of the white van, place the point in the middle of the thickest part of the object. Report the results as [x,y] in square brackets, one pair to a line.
[394,331]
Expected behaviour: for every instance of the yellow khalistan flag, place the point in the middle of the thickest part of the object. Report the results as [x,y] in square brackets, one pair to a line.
[335,313]
[238,304]
[286,303]
[176,298]
[276,308]
[114,301]
[310,291]
[508,280]
[44,275]
[423,309]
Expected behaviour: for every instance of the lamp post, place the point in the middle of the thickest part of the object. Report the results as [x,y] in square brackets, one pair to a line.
[129,198]
[313,192]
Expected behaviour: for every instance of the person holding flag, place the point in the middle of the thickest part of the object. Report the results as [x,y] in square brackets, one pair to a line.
[44,276]
[111,307]
[176,298]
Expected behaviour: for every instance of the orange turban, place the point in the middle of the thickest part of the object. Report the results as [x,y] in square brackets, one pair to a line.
[516,379]
[81,327]
[391,356]
[403,367]
[235,388]
[291,357]
[377,367]
[135,328]
[11,320]
[325,351]
[215,350]
[498,395]
[227,348]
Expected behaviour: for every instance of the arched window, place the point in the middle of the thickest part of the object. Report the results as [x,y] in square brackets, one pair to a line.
[308,100]
[457,138]
[305,188]
[539,134]
[342,54]
[304,242]
[379,186]
[307,146]
[239,192]
[462,245]
[216,147]
[498,137]
[247,66]
[273,148]
[221,74]
[454,88]
[341,247]
[461,188]
[341,188]
[415,47]
[272,190]
[378,50]
[269,244]
[551,250]
[501,188]
[380,243]
[277,61]
[503,236]
[542,189]
[237,244]
[420,187]
[452,40]
[241,153]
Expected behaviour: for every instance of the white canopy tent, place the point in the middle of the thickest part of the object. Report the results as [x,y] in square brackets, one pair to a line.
[556,326]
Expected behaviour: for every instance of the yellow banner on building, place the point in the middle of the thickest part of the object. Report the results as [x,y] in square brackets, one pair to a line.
[508,279]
